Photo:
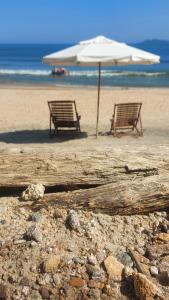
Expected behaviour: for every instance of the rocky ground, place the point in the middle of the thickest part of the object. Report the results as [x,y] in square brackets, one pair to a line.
[53,253]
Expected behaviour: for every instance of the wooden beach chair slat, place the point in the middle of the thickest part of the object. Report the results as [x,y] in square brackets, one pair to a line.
[63,114]
[127,116]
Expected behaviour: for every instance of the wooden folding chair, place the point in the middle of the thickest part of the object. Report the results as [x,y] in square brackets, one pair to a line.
[63,114]
[127,116]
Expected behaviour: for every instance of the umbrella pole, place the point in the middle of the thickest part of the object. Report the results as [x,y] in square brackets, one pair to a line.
[98,101]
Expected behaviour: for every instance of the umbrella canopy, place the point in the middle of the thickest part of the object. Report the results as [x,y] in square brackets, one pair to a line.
[100,51]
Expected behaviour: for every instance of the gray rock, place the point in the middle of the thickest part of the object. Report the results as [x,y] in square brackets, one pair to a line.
[153,271]
[33,233]
[73,220]
[35,217]
[79,260]
[33,192]
[56,279]
[125,259]
[92,259]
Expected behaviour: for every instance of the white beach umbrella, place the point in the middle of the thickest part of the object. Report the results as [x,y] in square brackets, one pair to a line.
[100,51]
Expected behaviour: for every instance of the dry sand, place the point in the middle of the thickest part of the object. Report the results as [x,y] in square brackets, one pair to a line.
[24,124]
[24,118]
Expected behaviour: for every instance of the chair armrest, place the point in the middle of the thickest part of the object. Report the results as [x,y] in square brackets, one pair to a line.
[78,117]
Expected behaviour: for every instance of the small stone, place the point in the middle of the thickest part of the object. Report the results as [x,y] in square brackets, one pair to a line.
[35,217]
[33,233]
[79,260]
[92,269]
[60,213]
[56,279]
[4,292]
[144,288]
[25,290]
[76,282]
[155,251]
[163,278]
[51,264]
[153,271]
[92,259]
[24,281]
[125,259]
[164,237]
[96,275]
[164,264]
[113,267]
[44,293]
[18,242]
[73,220]
[33,192]
[127,271]
[95,284]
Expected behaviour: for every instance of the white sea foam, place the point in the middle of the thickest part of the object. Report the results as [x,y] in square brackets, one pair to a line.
[87,73]
[116,73]
[25,72]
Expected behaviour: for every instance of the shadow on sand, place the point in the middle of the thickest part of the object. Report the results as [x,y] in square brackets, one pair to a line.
[39,136]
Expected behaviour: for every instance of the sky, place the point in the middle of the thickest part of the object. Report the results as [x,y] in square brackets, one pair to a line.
[69,21]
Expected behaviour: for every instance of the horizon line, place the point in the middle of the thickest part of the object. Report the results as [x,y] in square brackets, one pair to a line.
[75,42]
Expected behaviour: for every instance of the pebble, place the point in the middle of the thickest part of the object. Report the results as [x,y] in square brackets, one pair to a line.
[51,264]
[92,259]
[35,217]
[113,267]
[125,259]
[26,290]
[79,260]
[144,288]
[34,233]
[153,271]
[33,192]
[73,220]
[44,293]
[76,282]
[56,279]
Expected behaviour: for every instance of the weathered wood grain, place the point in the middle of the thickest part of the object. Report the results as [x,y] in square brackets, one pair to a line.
[123,198]
[92,169]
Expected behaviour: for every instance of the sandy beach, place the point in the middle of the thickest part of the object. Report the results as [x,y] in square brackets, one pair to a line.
[109,194]
[24,120]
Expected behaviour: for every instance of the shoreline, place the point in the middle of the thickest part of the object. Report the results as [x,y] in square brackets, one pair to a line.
[76,87]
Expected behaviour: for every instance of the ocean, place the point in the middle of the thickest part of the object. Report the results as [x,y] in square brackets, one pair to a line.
[22,64]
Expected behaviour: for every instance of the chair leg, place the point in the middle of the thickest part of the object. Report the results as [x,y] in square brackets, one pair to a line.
[79,129]
[139,131]
[141,127]
[50,127]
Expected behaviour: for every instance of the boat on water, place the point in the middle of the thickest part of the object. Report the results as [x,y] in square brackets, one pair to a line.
[59,72]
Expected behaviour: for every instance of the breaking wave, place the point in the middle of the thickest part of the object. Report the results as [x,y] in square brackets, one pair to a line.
[87,73]
[25,72]
[117,73]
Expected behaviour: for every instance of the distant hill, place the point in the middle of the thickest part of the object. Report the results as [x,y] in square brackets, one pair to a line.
[160,47]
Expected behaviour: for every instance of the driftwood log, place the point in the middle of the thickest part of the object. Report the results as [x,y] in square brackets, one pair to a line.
[102,182]
[91,169]
[118,198]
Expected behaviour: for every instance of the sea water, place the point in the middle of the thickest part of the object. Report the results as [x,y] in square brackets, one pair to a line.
[22,64]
